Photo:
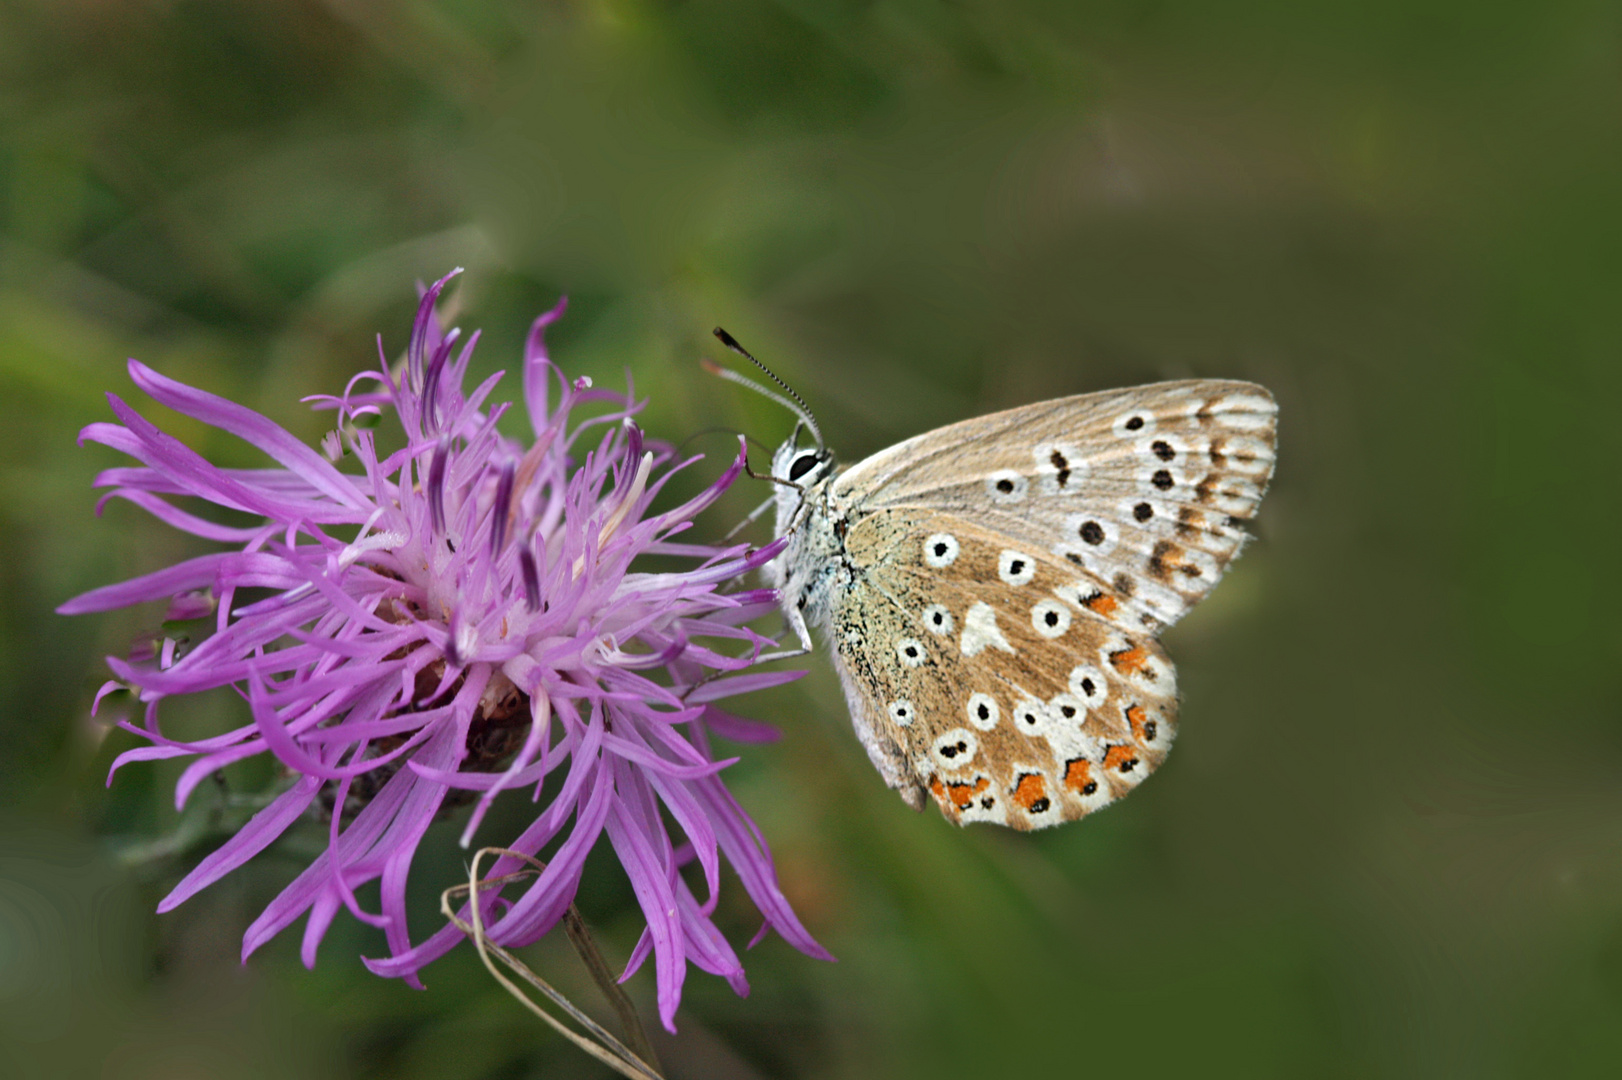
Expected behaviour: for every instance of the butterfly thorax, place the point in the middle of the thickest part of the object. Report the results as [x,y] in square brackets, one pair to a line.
[810,576]
[813,559]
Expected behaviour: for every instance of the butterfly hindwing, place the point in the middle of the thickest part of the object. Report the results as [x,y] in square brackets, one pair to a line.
[1012,702]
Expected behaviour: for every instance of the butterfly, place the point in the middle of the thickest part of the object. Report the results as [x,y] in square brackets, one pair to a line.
[993,590]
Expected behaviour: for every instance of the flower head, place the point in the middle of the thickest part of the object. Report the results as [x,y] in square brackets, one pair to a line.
[456,620]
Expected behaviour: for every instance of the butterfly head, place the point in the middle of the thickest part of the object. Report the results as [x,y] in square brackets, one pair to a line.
[797,469]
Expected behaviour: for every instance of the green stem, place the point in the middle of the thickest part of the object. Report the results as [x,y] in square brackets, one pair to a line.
[630,1022]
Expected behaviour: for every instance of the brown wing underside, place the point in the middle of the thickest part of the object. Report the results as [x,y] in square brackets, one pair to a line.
[1149,483]
[1015,702]
[1122,509]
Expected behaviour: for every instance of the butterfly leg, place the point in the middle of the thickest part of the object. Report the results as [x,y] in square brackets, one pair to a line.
[796,622]
[781,654]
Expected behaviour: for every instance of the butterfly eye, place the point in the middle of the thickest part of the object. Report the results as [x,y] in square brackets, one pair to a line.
[802,465]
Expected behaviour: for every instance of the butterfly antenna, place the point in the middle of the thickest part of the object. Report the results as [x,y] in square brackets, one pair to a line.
[797,405]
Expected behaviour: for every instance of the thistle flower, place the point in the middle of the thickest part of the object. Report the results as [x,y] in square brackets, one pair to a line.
[457,620]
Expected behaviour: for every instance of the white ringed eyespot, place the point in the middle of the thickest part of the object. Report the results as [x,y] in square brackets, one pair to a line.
[983,711]
[940,550]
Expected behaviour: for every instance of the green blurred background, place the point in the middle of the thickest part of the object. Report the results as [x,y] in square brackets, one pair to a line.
[1390,841]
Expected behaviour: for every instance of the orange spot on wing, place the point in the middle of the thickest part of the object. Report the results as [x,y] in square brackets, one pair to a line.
[962,795]
[1078,776]
[1137,718]
[1130,661]
[1121,758]
[1030,790]
[1103,604]
[935,788]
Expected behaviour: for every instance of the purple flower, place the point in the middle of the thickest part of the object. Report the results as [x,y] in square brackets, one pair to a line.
[457,620]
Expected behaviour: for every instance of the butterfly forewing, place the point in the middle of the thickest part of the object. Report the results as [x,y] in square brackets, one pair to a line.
[1140,488]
